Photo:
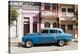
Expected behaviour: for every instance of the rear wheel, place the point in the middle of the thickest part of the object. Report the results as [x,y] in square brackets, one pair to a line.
[61,43]
[29,44]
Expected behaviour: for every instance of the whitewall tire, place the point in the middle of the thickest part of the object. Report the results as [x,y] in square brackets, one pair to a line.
[61,43]
[28,44]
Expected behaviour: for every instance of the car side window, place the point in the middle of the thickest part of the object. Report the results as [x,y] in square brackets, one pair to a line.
[52,31]
[44,31]
[60,32]
[55,31]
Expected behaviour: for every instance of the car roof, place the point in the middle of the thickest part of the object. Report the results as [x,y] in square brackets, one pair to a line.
[52,29]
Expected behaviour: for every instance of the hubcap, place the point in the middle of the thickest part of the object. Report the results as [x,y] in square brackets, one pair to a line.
[28,44]
[61,43]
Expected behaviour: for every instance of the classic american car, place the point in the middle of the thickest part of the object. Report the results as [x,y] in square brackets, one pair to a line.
[47,35]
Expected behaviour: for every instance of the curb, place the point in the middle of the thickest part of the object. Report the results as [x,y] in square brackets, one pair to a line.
[74,40]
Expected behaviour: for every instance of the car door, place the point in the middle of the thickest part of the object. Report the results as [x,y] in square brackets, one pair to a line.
[44,36]
[53,34]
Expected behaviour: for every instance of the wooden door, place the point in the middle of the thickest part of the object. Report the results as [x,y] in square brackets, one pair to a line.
[63,27]
[34,27]
[26,28]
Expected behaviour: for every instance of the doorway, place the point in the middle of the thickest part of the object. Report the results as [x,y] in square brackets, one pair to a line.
[34,27]
[63,27]
[26,25]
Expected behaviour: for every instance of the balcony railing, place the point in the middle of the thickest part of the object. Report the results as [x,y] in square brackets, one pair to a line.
[30,7]
[49,13]
[66,14]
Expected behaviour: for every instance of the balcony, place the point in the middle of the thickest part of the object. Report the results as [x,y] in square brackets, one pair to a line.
[68,19]
[66,14]
[49,14]
[27,7]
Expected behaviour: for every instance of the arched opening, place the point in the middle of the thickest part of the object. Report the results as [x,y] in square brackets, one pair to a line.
[47,25]
[54,25]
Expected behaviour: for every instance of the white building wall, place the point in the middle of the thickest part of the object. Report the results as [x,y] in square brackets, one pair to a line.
[20,25]
[42,25]
[13,31]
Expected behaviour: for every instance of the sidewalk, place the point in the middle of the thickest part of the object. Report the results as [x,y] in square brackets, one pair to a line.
[75,40]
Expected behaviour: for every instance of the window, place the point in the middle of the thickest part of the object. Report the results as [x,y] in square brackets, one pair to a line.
[36,4]
[55,31]
[70,27]
[52,31]
[47,25]
[59,31]
[70,10]
[63,9]
[47,6]
[54,25]
[54,6]
[26,20]
[44,31]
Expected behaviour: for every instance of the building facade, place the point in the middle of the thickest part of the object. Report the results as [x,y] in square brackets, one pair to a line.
[67,17]
[34,16]
[49,15]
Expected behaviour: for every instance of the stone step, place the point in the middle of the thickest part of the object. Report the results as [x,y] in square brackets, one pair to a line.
[14,41]
[14,44]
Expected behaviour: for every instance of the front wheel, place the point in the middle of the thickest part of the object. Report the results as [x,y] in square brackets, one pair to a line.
[61,43]
[29,44]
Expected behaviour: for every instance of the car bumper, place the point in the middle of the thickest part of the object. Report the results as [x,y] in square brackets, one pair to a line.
[23,43]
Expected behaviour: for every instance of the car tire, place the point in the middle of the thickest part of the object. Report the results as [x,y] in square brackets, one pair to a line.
[61,43]
[28,44]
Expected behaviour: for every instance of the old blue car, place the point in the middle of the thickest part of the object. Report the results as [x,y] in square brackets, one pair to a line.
[47,35]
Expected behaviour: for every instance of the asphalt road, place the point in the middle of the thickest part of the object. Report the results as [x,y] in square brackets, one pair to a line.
[43,48]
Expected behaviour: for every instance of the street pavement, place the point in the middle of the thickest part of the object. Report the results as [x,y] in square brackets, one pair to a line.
[44,48]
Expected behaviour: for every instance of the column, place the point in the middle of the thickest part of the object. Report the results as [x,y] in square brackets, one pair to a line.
[42,6]
[51,7]
[20,25]
[38,27]
[66,28]
[42,25]
[51,25]
[31,25]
